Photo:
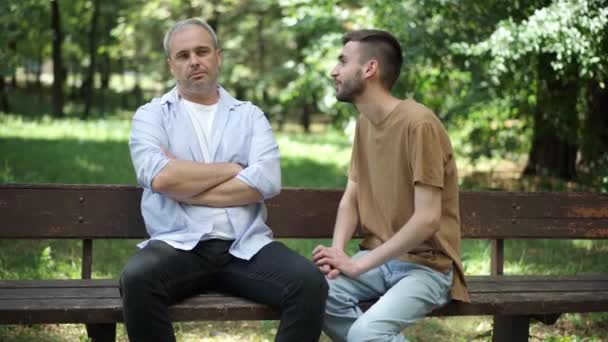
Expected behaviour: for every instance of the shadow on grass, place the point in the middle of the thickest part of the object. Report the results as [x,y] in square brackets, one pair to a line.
[335,139]
[304,172]
[76,161]
[32,102]
[65,161]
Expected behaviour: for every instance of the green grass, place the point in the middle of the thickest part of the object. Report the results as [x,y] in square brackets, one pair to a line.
[74,151]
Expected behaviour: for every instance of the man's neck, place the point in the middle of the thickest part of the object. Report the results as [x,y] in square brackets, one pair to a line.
[205,98]
[376,105]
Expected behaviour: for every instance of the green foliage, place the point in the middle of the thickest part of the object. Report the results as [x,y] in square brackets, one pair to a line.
[491,131]
[570,31]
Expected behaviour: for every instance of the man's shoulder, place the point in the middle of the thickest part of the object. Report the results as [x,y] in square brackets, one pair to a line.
[415,109]
[246,108]
[414,113]
[157,104]
[154,107]
[237,105]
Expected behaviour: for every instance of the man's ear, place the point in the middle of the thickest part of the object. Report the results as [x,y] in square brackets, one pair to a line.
[370,68]
[220,57]
[170,64]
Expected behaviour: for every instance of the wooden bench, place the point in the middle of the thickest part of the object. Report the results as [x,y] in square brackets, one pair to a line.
[89,212]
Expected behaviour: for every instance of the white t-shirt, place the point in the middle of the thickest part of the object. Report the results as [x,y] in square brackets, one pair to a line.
[202,117]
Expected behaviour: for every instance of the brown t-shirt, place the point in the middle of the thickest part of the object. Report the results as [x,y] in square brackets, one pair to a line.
[410,146]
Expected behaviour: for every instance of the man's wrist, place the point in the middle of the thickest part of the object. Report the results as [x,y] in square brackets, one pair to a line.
[237,168]
[338,245]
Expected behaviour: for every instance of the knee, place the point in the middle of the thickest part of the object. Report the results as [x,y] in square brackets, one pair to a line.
[366,330]
[312,289]
[136,279]
[339,297]
[315,285]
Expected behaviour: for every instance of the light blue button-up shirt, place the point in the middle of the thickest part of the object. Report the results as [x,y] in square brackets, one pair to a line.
[240,134]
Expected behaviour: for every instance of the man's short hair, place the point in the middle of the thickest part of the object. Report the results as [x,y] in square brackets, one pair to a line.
[382,46]
[188,22]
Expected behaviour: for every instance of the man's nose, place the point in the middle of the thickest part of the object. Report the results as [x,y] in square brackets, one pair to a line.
[334,72]
[194,61]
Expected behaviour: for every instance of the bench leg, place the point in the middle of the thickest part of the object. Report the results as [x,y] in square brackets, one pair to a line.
[511,329]
[548,319]
[102,332]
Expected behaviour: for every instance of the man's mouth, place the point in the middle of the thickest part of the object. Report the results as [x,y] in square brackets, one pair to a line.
[197,75]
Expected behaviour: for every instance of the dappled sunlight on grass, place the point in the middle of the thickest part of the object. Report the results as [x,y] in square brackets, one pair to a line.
[110,129]
[315,173]
[65,161]
[332,147]
[476,256]
[547,257]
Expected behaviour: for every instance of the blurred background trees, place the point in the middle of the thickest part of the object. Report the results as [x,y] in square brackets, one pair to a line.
[516,80]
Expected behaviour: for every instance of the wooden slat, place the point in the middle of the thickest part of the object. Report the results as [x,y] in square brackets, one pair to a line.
[73,292]
[232,308]
[526,215]
[58,283]
[98,301]
[95,211]
[70,211]
[511,283]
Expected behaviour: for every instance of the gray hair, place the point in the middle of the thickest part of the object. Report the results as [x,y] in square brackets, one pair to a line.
[181,25]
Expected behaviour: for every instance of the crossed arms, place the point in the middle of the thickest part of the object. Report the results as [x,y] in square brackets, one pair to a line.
[210,184]
[221,184]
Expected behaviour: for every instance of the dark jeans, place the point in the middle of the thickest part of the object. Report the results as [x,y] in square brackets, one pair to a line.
[160,275]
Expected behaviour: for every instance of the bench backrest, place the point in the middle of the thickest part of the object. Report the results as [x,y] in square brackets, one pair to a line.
[44,211]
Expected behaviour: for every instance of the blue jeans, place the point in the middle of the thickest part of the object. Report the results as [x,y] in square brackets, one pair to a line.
[160,275]
[406,292]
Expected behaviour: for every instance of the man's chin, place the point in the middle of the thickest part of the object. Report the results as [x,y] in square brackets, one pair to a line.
[201,87]
[343,97]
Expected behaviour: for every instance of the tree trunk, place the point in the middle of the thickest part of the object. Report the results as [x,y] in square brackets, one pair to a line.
[89,81]
[4,104]
[27,71]
[13,47]
[596,125]
[305,118]
[124,95]
[137,91]
[555,141]
[105,71]
[76,84]
[58,73]
[39,62]
[214,21]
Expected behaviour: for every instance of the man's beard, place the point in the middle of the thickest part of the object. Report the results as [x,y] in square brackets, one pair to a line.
[203,86]
[199,86]
[351,88]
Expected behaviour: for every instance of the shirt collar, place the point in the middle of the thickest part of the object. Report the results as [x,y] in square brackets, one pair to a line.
[226,100]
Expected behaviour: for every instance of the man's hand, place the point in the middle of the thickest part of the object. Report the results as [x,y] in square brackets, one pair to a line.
[333,261]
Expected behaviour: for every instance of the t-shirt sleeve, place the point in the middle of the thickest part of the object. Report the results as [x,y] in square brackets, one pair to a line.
[427,155]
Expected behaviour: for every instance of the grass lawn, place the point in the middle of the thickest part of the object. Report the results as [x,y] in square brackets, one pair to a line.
[74,151]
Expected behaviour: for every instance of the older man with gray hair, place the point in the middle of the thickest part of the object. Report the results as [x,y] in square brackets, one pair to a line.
[206,162]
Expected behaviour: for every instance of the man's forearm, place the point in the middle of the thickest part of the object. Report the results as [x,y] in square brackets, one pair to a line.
[347,216]
[423,224]
[181,179]
[346,223]
[413,234]
[231,193]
